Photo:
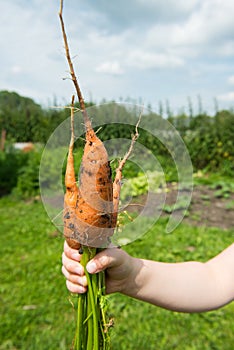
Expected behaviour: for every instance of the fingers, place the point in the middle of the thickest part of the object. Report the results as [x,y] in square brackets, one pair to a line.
[75,283]
[100,262]
[117,265]
[107,258]
[72,266]
[116,262]
[71,253]
[73,270]
[75,288]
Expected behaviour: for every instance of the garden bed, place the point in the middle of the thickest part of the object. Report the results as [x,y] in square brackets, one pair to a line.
[213,207]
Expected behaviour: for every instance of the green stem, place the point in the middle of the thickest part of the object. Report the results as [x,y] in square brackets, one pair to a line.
[93,308]
[89,324]
[80,317]
[91,333]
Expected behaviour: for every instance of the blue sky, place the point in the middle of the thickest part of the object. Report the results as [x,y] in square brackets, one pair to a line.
[156,50]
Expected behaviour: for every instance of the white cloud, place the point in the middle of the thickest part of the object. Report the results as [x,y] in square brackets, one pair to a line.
[231,80]
[211,23]
[147,60]
[184,47]
[227,97]
[16,69]
[112,68]
[180,6]
[123,14]
[206,30]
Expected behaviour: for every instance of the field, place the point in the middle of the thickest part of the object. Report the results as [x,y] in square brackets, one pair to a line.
[37,312]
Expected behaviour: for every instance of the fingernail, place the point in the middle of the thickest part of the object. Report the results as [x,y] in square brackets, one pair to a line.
[91,267]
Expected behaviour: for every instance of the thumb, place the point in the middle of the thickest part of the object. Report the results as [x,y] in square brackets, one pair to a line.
[103,260]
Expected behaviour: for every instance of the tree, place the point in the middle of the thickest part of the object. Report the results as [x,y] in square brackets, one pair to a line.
[19,116]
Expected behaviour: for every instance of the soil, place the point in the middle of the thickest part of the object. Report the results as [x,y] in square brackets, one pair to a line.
[206,208]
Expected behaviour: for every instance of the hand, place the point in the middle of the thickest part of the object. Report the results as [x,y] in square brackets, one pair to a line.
[73,271]
[117,264]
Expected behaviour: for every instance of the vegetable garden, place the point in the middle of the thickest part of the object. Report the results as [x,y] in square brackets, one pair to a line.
[37,312]
[30,268]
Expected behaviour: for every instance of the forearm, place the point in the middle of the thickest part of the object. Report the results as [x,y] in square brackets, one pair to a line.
[185,287]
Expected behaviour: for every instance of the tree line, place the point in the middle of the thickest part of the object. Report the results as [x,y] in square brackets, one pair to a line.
[209,139]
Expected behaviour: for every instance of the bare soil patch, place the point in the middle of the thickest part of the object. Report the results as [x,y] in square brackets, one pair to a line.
[206,207]
[211,210]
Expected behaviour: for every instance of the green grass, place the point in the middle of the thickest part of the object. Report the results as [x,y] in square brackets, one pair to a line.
[35,311]
[214,180]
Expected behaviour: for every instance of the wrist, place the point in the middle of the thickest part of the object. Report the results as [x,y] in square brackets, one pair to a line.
[132,283]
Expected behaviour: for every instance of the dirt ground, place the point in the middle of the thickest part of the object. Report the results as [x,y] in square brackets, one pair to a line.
[206,207]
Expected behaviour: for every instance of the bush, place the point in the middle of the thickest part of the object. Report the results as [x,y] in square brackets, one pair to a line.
[10,165]
[28,176]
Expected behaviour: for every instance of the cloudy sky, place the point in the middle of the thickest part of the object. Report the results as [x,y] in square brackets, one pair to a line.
[153,50]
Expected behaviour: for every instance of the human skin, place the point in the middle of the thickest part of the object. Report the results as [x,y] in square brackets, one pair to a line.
[186,287]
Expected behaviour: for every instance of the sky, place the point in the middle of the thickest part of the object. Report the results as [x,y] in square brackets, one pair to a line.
[148,51]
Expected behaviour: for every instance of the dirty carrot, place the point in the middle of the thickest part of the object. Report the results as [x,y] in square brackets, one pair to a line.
[90,217]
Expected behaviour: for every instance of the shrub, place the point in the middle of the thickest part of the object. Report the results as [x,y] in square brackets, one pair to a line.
[28,176]
[10,164]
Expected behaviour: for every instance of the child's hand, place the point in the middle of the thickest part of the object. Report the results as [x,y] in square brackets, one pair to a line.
[117,263]
[73,270]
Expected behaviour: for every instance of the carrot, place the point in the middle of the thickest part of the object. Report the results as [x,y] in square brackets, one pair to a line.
[90,217]
[92,202]
[71,194]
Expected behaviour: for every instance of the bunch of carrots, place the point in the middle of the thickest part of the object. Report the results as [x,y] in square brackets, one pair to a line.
[90,218]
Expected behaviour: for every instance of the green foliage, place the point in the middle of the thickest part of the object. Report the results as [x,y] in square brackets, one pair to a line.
[24,120]
[20,117]
[211,179]
[223,188]
[10,163]
[150,181]
[210,140]
[28,176]
[36,308]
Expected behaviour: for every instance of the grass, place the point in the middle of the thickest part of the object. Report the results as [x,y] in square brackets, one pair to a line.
[32,290]
[36,308]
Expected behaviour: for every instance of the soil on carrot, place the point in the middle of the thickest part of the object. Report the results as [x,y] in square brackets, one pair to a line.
[207,207]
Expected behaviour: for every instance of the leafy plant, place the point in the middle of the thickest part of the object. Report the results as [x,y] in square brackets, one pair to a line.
[10,164]
[28,176]
[223,189]
[150,181]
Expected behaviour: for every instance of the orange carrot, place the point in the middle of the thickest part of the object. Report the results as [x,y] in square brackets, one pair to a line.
[70,198]
[90,217]
[88,210]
